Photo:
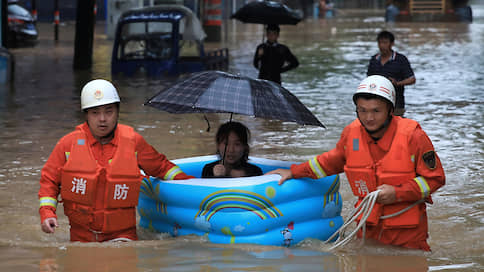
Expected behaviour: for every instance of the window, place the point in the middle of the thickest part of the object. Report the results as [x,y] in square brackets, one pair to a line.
[146,40]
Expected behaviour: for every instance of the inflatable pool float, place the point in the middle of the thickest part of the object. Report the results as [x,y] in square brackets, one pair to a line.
[242,210]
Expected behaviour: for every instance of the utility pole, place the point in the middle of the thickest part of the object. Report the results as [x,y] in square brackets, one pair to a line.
[212,20]
[34,10]
[56,20]
[3,23]
[84,34]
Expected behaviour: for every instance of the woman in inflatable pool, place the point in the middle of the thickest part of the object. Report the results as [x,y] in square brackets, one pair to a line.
[233,148]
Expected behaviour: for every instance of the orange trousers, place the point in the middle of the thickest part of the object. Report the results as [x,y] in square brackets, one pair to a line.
[414,238]
[82,234]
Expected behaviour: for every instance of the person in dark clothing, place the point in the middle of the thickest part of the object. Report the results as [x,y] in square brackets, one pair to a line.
[273,58]
[394,66]
[232,146]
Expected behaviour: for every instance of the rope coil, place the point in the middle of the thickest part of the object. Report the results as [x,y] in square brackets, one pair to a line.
[364,208]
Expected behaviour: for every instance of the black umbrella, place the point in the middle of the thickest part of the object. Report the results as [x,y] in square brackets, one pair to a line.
[267,12]
[216,91]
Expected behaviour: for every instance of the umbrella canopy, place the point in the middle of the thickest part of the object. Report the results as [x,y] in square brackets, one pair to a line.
[267,12]
[216,91]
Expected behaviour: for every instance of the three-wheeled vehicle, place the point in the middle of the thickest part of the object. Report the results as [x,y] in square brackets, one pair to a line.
[162,40]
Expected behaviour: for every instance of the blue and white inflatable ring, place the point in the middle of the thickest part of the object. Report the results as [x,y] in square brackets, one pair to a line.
[242,210]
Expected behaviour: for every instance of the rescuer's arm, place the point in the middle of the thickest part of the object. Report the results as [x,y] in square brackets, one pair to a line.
[326,164]
[50,186]
[430,174]
[156,164]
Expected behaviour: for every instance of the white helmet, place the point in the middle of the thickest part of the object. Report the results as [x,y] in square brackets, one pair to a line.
[98,92]
[376,85]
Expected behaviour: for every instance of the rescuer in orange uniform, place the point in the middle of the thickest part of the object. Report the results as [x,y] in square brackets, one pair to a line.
[380,151]
[96,169]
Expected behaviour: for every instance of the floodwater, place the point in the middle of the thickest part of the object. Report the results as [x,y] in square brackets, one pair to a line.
[43,104]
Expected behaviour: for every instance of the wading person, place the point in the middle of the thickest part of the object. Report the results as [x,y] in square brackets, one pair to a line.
[394,66]
[272,58]
[380,151]
[96,170]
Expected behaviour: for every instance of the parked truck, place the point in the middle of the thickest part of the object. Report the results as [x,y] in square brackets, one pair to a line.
[162,40]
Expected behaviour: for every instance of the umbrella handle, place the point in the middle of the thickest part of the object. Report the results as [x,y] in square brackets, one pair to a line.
[226,141]
[208,123]
[263,33]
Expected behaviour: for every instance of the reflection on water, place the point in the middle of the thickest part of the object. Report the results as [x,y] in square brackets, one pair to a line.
[188,256]
[42,105]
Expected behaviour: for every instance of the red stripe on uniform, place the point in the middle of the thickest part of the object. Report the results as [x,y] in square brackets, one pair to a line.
[384,90]
[56,17]
[213,22]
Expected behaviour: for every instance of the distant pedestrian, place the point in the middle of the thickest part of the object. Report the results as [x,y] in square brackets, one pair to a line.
[394,66]
[391,11]
[326,9]
[273,58]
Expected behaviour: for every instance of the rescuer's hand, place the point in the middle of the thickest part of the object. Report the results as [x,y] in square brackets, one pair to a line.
[387,194]
[284,173]
[49,225]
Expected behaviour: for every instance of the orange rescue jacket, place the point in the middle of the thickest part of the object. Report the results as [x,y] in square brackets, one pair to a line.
[102,198]
[395,168]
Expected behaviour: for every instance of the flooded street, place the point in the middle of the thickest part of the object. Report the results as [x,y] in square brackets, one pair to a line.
[447,100]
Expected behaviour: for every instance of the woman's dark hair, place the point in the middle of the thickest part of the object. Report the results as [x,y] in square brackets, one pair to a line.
[240,130]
